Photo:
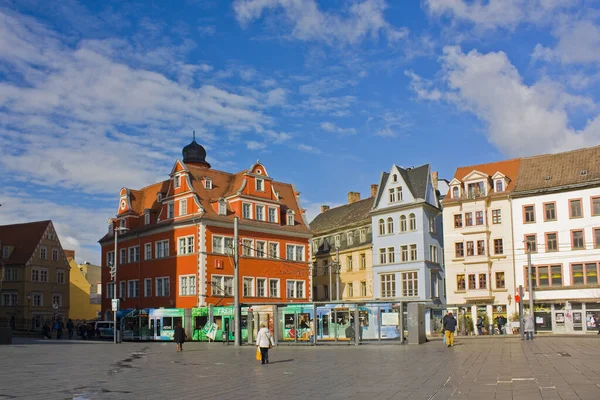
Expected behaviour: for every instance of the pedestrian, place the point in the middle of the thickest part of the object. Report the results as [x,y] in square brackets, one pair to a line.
[528,326]
[70,327]
[449,328]
[479,325]
[46,331]
[500,322]
[264,341]
[179,337]
[58,326]
[312,331]
[597,323]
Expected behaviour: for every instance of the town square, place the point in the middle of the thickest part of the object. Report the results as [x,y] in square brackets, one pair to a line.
[300,198]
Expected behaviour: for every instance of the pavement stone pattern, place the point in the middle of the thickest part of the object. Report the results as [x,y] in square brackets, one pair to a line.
[479,368]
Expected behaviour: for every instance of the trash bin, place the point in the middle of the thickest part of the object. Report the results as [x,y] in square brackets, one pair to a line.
[224,338]
[119,339]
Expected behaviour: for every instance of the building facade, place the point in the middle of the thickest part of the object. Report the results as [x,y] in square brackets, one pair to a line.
[85,282]
[408,240]
[343,232]
[556,218]
[177,251]
[34,279]
[479,241]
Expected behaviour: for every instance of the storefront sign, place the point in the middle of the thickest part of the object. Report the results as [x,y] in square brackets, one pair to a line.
[222,311]
[210,330]
[390,319]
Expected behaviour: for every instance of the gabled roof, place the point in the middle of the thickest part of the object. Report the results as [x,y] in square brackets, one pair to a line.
[510,169]
[24,238]
[415,178]
[342,216]
[224,185]
[563,169]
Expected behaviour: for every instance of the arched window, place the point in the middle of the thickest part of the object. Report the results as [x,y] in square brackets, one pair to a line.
[395,178]
[381,227]
[403,223]
[390,225]
[412,220]
[455,192]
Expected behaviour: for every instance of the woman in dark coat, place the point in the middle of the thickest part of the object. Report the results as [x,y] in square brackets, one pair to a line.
[179,337]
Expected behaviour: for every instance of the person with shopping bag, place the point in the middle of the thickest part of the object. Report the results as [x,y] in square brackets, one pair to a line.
[264,342]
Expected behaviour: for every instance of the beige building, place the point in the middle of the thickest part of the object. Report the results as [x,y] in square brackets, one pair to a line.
[85,289]
[478,242]
[344,230]
[34,279]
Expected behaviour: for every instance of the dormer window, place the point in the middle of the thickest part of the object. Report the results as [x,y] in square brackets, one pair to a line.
[159,197]
[170,210]
[476,189]
[147,217]
[222,207]
[122,223]
[499,186]
[290,218]
[207,183]
[455,192]
[177,181]
[260,185]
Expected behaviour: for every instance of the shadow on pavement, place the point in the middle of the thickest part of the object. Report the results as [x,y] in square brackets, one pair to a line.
[281,361]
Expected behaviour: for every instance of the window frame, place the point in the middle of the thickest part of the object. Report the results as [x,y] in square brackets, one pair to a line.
[573,231]
[264,253]
[458,221]
[596,234]
[461,283]
[412,222]
[496,276]
[278,294]
[162,279]
[496,246]
[252,286]
[183,209]
[247,207]
[546,242]
[592,199]
[131,284]
[469,218]
[188,248]
[387,279]
[482,283]
[164,248]
[545,208]
[571,201]
[274,212]
[459,246]
[259,184]
[527,215]
[403,224]
[479,218]
[497,216]
[177,181]
[260,212]
[148,256]
[381,226]
[170,210]
[414,280]
[363,261]
[527,242]
[190,288]
[584,271]
[147,287]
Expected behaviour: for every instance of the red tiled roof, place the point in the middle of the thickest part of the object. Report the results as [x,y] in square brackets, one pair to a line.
[24,238]
[224,184]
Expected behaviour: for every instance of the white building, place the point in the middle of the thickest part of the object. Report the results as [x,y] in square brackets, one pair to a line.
[478,241]
[556,215]
[407,240]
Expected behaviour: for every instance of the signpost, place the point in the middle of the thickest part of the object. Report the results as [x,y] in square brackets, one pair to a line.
[210,330]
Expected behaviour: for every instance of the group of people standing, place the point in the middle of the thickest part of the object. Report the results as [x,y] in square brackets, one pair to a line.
[59,327]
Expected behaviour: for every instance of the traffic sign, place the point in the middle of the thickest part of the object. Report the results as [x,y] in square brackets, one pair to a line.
[115,304]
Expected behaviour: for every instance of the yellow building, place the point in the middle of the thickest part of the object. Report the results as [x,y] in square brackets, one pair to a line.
[85,289]
[344,230]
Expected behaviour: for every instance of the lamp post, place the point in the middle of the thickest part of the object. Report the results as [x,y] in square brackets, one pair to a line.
[115,305]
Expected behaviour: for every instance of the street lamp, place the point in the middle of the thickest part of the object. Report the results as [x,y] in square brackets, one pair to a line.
[115,305]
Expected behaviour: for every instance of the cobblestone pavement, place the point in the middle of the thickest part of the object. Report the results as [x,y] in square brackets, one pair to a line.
[482,368]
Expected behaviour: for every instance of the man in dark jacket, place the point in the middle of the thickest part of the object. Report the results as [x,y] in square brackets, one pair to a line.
[449,328]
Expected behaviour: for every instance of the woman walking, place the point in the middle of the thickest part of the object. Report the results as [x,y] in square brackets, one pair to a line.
[264,341]
[179,337]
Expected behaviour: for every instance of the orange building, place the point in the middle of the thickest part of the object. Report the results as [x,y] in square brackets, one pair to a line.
[177,251]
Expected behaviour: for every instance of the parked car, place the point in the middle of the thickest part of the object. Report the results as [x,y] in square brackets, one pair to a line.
[105,329]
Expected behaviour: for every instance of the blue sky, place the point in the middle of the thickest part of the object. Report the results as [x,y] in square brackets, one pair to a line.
[95,96]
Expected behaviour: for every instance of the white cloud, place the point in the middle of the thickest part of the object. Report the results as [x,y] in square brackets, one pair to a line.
[308,149]
[73,116]
[498,13]
[422,87]
[331,127]
[78,228]
[276,97]
[578,43]
[363,19]
[389,124]
[522,119]
[254,145]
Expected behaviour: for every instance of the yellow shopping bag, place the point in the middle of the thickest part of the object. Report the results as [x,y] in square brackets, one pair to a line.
[258,355]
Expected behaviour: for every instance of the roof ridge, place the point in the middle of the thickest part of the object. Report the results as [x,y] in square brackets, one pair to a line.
[590,148]
[46,221]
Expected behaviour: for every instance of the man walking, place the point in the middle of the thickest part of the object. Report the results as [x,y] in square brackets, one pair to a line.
[449,328]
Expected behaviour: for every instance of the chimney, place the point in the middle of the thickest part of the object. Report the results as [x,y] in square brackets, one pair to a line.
[324,208]
[374,188]
[353,197]
[69,254]
[434,179]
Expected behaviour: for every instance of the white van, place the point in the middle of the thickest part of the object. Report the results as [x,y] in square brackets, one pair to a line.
[105,329]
